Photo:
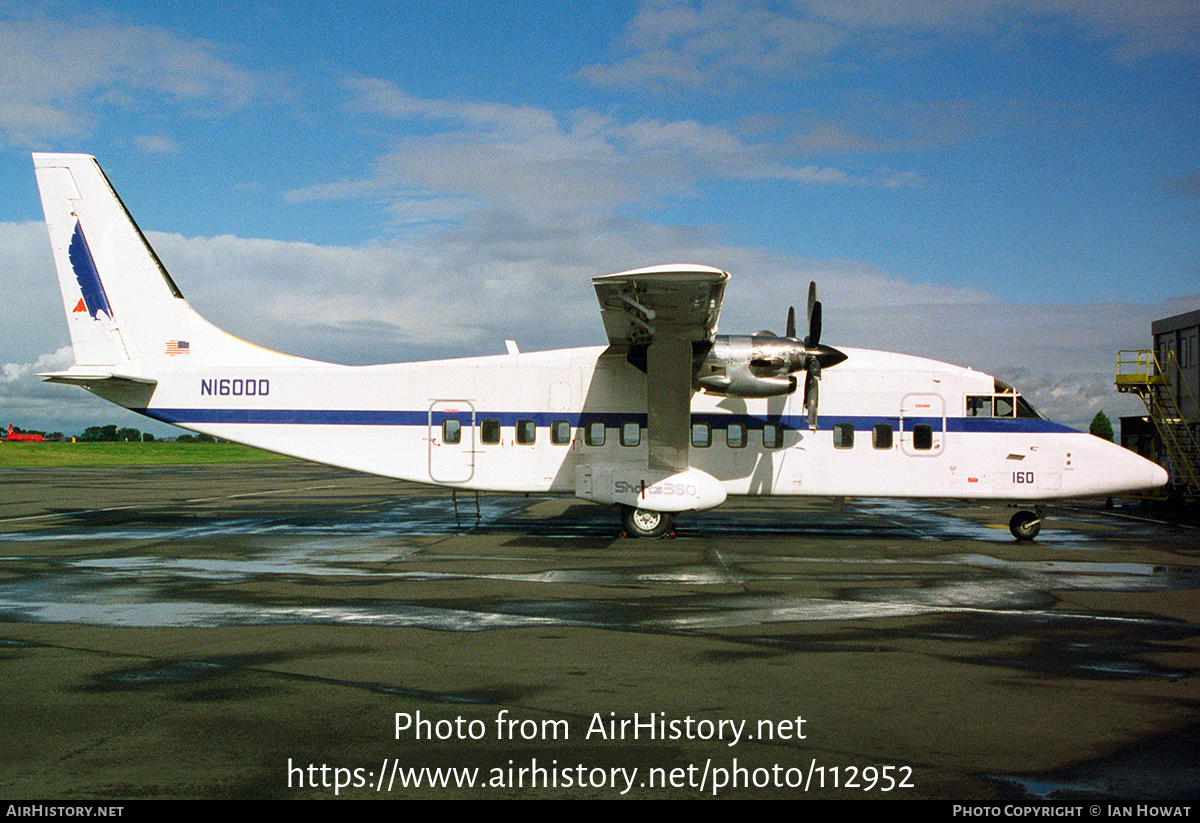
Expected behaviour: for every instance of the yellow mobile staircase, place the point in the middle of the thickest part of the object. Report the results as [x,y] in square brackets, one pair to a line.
[1140,372]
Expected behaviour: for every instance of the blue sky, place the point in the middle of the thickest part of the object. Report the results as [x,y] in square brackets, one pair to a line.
[1013,186]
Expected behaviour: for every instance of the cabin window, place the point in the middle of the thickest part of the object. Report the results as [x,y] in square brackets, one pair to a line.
[451,431]
[701,435]
[881,436]
[843,436]
[594,434]
[772,436]
[526,432]
[922,437]
[735,435]
[631,434]
[489,432]
[1005,407]
[560,432]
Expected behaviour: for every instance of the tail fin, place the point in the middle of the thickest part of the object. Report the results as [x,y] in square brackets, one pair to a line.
[126,316]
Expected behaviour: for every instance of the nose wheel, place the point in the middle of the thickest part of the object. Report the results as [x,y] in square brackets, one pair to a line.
[1025,525]
[646,523]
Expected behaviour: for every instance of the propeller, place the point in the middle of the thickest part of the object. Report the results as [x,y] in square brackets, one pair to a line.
[815,355]
[773,361]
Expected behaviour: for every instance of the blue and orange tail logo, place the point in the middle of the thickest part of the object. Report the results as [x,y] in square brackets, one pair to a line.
[94,299]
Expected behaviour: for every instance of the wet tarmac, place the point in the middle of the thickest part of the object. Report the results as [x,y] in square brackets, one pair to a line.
[215,631]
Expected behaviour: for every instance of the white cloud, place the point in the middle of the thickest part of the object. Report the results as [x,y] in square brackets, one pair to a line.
[543,166]
[1131,30]
[721,44]
[697,44]
[156,144]
[30,291]
[15,372]
[57,78]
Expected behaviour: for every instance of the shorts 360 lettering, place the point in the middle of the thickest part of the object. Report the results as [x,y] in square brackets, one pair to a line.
[624,487]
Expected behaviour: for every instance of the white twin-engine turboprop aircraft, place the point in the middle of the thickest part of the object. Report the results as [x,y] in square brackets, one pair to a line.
[670,417]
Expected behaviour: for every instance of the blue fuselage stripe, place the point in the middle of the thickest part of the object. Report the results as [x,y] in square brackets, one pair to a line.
[361,417]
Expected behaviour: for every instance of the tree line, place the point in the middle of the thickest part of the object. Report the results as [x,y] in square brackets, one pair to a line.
[112,434]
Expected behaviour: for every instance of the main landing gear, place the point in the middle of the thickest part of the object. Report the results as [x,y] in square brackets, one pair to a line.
[1026,525]
[646,523]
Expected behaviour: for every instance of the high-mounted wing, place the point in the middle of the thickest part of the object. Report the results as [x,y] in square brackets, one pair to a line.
[667,308]
[677,301]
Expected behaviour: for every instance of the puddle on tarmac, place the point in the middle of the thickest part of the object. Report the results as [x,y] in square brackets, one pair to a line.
[143,588]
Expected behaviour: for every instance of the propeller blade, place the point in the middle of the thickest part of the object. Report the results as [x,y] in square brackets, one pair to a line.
[812,383]
[791,321]
[813,338]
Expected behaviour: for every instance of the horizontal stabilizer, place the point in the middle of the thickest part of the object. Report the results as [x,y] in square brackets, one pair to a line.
[83,377]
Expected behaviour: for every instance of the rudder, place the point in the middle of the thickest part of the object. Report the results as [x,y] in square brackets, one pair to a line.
[124,311]
[107,271]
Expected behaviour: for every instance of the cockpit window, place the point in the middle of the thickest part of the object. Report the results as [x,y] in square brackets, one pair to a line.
[1004,403]
[979,405]
[1024,409]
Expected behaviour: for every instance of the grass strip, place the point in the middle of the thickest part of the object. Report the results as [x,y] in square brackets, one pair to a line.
[158,453]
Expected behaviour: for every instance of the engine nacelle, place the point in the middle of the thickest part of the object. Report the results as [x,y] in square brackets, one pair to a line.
[739,382]
[759,365]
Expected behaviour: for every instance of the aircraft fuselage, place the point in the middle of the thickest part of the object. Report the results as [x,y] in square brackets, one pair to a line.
[891,425]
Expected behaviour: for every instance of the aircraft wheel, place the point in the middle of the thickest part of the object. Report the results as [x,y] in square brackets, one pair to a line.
[646,523]
[1025,525]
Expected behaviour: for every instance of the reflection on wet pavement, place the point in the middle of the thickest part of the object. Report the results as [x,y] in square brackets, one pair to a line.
[885,598]
[198,571]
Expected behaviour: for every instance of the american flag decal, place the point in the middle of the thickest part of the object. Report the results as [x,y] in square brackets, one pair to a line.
[177,347]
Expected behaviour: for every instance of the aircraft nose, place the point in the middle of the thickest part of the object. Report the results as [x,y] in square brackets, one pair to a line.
[1132,472]
[1149,473]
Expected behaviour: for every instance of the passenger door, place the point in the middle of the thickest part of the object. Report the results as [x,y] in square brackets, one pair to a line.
[922,424]
[451,441]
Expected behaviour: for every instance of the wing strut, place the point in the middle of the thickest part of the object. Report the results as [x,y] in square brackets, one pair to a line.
[669,401]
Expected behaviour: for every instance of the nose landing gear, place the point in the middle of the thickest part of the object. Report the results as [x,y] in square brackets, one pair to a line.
[1026,525]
